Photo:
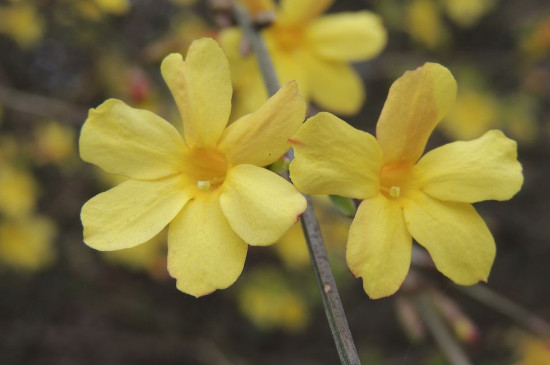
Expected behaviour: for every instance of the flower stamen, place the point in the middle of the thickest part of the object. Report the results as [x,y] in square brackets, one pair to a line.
[203,185]
[395,191]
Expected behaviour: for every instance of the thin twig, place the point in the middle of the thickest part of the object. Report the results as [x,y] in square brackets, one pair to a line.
[507,307]
[440,332]
[41,106]
[318,253]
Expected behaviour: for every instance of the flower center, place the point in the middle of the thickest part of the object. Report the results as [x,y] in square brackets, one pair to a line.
[287,38]
[395,180]
[207,168]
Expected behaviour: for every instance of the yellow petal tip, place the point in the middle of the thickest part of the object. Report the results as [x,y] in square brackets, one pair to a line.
[170,60]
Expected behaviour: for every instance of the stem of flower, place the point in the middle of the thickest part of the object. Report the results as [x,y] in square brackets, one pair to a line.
[440,332]
[505,306]
[318,253]
[42,106]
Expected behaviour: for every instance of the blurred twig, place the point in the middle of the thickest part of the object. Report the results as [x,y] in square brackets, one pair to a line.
[492,299]
[321,265]
[441,333]
[41,106]
[507,307]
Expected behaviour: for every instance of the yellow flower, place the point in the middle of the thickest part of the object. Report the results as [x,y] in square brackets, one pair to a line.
[314,50]
[426,20]
[209,186]
[269,301]
[53,142]
[22,23]
[473,114]
[533,350]
[18,191]
[425,24]
[113,6]
[26,243]
[96,9]
[518,116]
[467,13]
[406,196]
[149,256]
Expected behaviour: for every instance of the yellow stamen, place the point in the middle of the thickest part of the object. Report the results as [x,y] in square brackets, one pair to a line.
[395,191]
[203,185]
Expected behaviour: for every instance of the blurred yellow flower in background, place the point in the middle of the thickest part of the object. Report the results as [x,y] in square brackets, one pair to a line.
[405,196]
[536,43]
[113,6]
[96,9]
[425,24]
[53,142]
[474,113]
[292,247]
[209,187]
[149,257]
[533,350]
[18,190]
[518,116]
[312,49]
[26,243]
[185,27]
[467,13]
[269,301]
[22,23]
[26,239]
[479,109]
[426,21]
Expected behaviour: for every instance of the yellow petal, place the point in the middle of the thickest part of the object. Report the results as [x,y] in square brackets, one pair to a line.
[347,36]
[454,234]
[201,87]
[482,169]
[204,253]
[417,101]
[132,212]
[131,142]
[334,85]
[332,157]
[379,246]
[298,12]
[262,137]
[259,204]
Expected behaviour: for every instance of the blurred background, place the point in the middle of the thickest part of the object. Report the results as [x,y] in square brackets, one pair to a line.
[63,303]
